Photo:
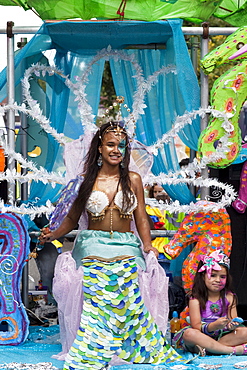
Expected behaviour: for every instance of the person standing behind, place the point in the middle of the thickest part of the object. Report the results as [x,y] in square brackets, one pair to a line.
[156,190]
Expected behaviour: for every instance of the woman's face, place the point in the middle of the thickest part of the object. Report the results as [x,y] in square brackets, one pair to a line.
[113,148]
[217,280]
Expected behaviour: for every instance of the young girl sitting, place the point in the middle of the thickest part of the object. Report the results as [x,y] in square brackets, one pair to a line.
[212,309]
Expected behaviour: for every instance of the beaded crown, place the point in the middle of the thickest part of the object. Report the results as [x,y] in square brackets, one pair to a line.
[117,125]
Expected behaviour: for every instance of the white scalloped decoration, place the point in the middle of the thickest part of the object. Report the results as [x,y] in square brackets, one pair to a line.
[97,202]
[118,200]
[32,108]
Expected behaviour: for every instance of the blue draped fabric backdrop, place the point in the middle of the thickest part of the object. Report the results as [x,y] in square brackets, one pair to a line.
[74,45]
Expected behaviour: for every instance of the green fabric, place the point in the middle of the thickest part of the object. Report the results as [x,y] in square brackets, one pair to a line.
[147,10]
[8,2]
[65,9]
[233,12]
[21,3]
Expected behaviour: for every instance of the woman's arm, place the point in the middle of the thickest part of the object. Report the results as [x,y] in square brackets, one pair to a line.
[69,223]
[141,217]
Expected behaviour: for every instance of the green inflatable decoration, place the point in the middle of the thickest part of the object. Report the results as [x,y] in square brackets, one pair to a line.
[232,11]
[228,94]
[145,10]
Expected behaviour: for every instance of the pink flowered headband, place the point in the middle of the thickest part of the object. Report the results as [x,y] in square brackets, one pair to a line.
[213,262]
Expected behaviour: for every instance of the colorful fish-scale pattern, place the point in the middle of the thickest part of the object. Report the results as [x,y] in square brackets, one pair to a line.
[209,231]
[115,320]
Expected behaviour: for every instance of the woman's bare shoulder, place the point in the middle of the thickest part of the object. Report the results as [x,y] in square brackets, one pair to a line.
[136,181]
[134,176]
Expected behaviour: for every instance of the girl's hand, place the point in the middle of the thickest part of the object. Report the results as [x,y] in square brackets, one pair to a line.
[234,323]
[220,323]
[46,235]
[150,248]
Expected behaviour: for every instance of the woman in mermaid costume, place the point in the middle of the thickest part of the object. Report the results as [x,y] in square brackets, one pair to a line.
[114,320]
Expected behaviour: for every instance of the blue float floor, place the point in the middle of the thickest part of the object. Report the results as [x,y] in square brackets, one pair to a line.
[42,343]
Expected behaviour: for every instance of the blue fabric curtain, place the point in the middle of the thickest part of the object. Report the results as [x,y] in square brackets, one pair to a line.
[172,96]
[75,44]
[64,114]
[59,105]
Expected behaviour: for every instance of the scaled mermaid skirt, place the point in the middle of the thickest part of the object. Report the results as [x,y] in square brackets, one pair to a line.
[114,316]
[115,320]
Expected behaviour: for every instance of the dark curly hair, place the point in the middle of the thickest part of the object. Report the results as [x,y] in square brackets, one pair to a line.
[91,169]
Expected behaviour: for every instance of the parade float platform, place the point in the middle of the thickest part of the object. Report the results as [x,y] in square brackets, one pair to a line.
[44,342]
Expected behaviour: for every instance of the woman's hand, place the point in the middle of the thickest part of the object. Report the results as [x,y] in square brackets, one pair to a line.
[150,248]
[46,235]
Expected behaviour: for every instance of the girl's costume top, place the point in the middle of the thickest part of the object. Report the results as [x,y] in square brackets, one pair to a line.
[212,311]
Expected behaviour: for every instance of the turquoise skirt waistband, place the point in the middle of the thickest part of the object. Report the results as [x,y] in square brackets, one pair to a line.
[102,244]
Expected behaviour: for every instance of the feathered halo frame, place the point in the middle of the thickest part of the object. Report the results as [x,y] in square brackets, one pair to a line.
[186,175]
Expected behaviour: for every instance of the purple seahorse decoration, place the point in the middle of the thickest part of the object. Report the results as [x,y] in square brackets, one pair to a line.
[240,203]
[14,248]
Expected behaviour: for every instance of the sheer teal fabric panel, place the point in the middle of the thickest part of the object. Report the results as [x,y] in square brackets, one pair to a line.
[75,44]
[64,113]
[166,100]
[32,53]
[59,104]
[57,96]
[187,91]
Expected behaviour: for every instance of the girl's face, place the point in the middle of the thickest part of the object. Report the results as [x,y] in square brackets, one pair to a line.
[158,190]
[113,148]
[217,281]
